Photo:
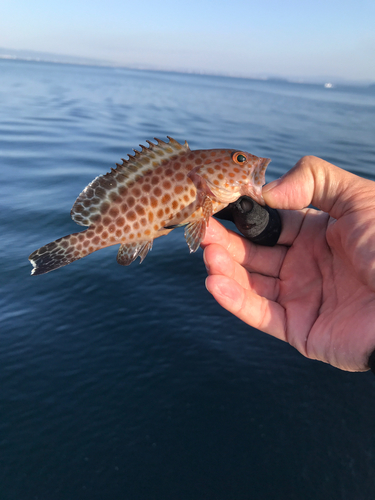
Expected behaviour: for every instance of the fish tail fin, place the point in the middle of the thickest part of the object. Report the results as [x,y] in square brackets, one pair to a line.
[61,252]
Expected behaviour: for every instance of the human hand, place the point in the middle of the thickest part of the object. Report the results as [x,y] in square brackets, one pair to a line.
[316,288]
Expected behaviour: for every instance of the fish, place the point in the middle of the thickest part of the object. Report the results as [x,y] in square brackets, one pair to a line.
[163,186]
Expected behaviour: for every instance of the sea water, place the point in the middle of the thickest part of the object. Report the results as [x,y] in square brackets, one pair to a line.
[132,383]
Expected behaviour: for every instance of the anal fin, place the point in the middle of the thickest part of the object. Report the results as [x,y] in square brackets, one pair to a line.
[128,253]
[195,231]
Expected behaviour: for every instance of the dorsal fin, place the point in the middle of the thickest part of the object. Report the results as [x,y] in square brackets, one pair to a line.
[105,188]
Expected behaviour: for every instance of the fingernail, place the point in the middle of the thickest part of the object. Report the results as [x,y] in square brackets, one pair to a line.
[205,263]
[205,284]
[268,187]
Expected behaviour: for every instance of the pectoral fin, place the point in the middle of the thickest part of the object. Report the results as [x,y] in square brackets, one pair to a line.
[178,220]
[195,231]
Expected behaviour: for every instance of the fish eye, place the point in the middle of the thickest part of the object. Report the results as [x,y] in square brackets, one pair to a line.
[239,158]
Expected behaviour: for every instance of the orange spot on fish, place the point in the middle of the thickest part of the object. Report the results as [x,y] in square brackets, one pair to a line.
[140,210]
[166,198]
[104,208]
[131,216]
[113,212]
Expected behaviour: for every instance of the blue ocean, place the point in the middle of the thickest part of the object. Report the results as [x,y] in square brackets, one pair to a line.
[132,383]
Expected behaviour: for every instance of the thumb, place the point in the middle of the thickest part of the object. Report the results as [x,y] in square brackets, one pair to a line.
[313,181]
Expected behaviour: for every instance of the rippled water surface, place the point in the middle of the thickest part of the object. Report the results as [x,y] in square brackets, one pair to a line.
[132,383]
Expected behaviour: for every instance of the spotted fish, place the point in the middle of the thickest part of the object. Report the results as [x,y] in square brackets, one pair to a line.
[163,186]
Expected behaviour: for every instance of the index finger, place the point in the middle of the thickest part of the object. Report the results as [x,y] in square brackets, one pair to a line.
[264,260]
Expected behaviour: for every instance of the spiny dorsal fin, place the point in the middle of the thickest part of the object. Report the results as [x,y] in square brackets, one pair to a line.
[106,188]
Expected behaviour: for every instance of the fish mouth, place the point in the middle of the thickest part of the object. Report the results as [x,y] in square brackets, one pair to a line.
[255,194]
[254,188]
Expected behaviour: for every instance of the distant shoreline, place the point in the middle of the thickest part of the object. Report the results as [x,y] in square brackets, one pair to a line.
[74,61]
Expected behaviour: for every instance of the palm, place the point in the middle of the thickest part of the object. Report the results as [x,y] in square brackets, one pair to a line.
[326,305]
[304,290]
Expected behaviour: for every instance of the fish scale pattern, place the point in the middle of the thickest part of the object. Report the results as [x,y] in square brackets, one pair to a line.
[160,187]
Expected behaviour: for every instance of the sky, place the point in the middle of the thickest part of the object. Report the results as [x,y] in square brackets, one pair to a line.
[295,39]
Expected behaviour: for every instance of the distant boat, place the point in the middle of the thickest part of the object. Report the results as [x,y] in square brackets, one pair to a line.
[328,85]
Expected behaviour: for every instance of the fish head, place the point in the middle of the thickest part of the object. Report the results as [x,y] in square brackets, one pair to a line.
[226,175]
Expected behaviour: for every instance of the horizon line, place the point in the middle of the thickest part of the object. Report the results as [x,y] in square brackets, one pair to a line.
[46,57]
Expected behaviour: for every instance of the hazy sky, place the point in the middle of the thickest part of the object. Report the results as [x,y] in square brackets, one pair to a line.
[291,38]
